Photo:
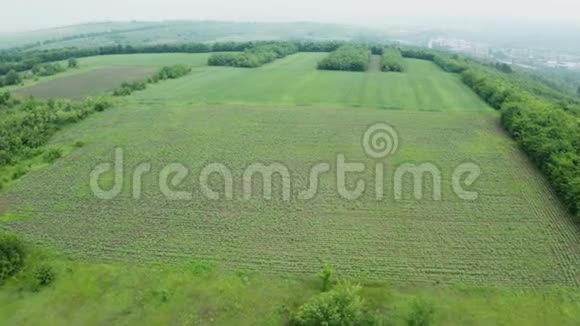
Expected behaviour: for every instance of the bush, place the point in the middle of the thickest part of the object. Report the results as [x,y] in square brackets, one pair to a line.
[43,276]
[392,60]
[12,254]
[347,58]
[79,144]
[52,155]
[421,313]
[19,171]
[172,72]
[340,306]
[127,88]
[326,277]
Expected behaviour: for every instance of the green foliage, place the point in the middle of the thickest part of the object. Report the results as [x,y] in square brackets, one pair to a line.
[19,171]
[52,155]
[578,91]
[254,57]
[541,119]
[392,60]
[127,88]
[326,277]
[504,67]
[73,63]
[79,144]
[43,276]
[348,58]
[421,313]
[172,72]
[47,69]
[5,98]
[338,307]
[12,254]
[12,78]
[27,125]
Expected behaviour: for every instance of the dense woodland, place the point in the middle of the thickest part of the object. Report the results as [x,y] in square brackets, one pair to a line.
[544,121]
[391,60]
[347,58]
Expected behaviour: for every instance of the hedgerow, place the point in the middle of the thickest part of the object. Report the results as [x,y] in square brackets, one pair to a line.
[392,60]
[254,57]
[28,124]
[348,58]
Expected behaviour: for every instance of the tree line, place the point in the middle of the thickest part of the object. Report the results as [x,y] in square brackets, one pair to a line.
[543,121]
[347,58]
[391,60]
[19,61]
[168,72]
[38,70]
[254,57]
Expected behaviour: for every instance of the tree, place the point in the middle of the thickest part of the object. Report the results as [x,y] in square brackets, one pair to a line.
[73,63]
[12,78]
[578,91]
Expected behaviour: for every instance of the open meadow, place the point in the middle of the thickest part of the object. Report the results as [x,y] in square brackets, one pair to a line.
[515,234]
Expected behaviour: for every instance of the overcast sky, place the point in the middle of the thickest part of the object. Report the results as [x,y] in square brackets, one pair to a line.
[33,14]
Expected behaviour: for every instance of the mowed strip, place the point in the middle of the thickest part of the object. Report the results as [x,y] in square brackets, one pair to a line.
[94,82]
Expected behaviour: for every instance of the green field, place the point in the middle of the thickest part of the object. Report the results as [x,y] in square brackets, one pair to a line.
[510,256]
[198,120]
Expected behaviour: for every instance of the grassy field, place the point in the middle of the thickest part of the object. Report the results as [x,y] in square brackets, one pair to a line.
[191,294]
[515,236]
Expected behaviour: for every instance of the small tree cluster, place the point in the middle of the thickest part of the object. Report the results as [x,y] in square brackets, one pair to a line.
[254,57]
[347,58]
[392,60]
[12,254]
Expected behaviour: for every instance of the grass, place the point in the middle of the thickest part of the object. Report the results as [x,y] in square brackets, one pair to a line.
[533,242]
[96,294]
[509,257]
[294,81]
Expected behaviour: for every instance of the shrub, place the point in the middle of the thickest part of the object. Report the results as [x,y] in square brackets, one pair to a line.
[43,276]
[340,306]
[421,313]
[326,277]
[127,88]
[19,171]
[12,254]
[172,72]
[79,144]
[52,155]
[347,58]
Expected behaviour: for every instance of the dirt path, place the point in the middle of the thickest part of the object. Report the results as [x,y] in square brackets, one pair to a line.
[374,63]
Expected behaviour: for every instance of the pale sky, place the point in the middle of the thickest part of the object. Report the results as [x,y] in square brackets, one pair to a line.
[33,14]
